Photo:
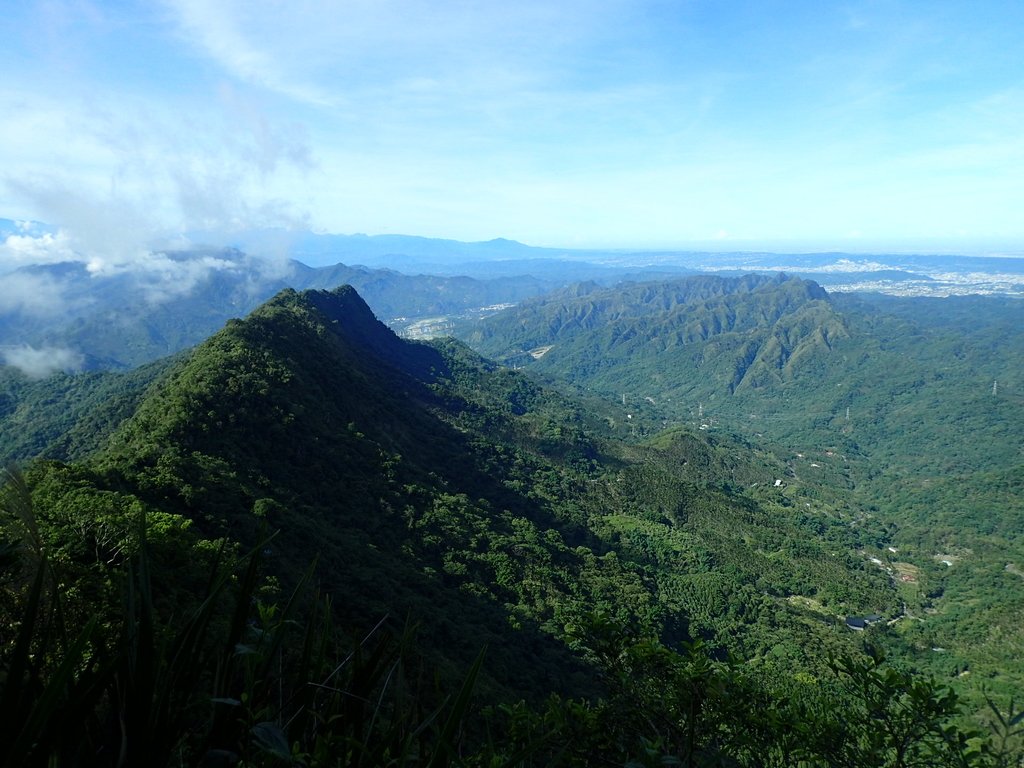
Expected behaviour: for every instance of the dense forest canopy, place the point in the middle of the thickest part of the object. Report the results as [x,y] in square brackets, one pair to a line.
[910,410]
[308,541]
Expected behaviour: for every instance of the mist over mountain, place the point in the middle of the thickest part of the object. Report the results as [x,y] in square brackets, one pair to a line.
[97,319]
[899,273]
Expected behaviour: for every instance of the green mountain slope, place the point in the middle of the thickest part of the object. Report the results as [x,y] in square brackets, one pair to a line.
[430,486]
[910,411]
[313,405]
[740,333]
[67,416]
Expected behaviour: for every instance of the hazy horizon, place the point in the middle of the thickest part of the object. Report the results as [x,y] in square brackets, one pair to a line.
[55,244]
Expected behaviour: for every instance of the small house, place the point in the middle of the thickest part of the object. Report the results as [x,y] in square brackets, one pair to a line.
[860,623]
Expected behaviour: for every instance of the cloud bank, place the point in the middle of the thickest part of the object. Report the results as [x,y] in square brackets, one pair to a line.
[20,250]
[159,177]
[42,362]
[33,295]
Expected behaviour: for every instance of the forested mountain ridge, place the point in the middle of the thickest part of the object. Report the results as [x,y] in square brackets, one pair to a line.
[430,484]
[585,306]
[910,409]
[312,393]
[742,332]
[764,341]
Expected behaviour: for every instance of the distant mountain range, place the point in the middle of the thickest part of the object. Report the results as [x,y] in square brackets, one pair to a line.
[780,356]
[64,312]
[903,274]
[128,317]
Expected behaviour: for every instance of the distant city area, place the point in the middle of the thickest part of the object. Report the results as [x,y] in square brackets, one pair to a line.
[896,275]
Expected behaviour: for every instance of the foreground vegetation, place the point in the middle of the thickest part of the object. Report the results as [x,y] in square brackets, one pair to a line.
[235,673]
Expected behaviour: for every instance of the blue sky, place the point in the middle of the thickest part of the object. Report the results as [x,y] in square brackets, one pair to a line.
[852,126]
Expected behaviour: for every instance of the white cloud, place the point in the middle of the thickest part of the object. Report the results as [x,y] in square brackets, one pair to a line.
[124,179]
[19,250]
[362,54]
[40,363]
[36,295]
[218,30]
[161,277]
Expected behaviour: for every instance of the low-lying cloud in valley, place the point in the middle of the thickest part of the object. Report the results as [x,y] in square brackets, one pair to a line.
[33,294]
[38,363]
